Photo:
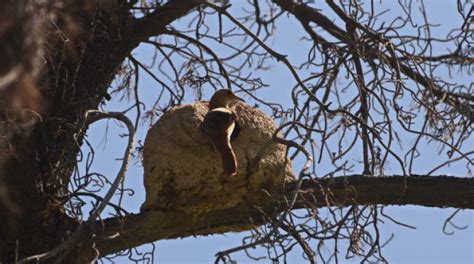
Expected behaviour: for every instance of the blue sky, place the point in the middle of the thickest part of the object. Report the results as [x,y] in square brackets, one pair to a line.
[426,244]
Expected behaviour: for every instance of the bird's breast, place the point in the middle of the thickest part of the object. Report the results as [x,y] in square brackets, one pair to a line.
[219,121]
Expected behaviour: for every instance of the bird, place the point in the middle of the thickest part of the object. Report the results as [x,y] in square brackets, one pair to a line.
[219,123]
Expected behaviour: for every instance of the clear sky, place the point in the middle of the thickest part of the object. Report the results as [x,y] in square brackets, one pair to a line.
[426,244]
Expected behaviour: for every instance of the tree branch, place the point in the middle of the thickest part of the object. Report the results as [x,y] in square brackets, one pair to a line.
[155,23]
[91,117]
[306,14]
[116,234]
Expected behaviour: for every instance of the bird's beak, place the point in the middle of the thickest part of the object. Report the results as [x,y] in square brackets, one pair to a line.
[238,98]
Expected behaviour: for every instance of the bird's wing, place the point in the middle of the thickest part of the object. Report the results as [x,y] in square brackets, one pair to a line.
[218,125]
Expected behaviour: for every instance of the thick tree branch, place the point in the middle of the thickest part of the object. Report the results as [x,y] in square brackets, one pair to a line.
[431,191]
[155,23]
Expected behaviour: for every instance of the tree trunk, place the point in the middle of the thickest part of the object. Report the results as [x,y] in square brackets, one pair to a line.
[84,45]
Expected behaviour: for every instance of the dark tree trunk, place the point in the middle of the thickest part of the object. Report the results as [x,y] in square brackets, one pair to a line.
[84,49]
[37,169]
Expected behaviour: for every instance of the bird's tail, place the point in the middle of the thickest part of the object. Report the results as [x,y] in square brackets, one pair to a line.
[223,146]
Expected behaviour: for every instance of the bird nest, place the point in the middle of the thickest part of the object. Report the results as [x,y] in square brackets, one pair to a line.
[183,171]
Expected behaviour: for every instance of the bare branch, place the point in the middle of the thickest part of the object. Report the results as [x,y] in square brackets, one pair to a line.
[91,117]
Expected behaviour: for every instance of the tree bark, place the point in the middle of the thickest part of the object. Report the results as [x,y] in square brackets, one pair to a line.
[36,165]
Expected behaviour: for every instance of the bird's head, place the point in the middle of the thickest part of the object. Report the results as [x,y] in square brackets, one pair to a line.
[223,98]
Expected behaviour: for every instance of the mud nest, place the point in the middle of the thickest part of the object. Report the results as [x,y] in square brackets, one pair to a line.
[183,171]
